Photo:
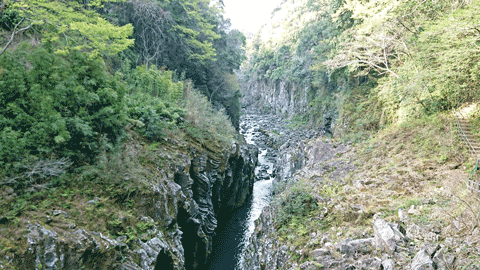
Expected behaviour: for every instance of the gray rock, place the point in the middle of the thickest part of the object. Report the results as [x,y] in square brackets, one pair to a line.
[398,229]
[387,265]
[402,215]
[321,252]
[386,237]
[149,252]
[422,261]
[416,232]
[473,238]
[129,266]
[60,212]
[121,239]
[370,263]
[400,258]
[431,249]
[310,266]
[443,260]
[359,246]
[66,251]
[363,246]
[324,239]
[335,264]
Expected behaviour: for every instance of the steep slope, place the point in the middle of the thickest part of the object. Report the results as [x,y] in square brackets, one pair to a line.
[178,188]
[397,201]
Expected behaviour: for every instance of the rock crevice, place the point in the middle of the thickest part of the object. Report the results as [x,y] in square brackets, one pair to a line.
[184,208]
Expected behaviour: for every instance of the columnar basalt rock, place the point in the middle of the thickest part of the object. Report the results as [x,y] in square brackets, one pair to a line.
[201,186]
[282,98]
[211,183]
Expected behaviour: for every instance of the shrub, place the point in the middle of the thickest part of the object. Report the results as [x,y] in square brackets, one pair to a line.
[153,100]
[55,106]
[154,114]
[203,120]
[156,82]
[297,202]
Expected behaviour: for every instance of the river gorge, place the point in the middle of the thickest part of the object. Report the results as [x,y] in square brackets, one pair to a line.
[235,229]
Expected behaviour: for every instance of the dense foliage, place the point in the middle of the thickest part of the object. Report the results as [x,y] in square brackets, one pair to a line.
[56,107]
[74,77]
[370,63]
[191,37]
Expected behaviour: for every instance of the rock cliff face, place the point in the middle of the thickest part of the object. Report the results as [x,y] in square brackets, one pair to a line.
[281,98]
[287,99]
[265,250]
[213,184]
[200,185]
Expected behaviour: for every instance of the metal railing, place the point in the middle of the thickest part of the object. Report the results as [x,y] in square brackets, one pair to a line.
[469,145]
[472,181]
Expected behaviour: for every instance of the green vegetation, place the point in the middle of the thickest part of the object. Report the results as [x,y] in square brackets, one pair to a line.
[57,107]
[371,64]
[95,97]
[190,37]
[72,79]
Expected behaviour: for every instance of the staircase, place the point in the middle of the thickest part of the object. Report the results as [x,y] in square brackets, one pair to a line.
[473,146]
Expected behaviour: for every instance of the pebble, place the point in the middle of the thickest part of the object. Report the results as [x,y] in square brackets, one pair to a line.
[92,202]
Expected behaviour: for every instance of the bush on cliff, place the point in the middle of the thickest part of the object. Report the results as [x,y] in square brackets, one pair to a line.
[54,106]
[153,100]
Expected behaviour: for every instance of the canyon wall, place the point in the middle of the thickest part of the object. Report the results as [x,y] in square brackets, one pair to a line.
[200,184]
[282,98]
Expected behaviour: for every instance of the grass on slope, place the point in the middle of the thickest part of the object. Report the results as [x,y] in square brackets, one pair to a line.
[421,165]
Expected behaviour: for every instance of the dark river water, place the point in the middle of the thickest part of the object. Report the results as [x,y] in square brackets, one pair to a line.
[234,230]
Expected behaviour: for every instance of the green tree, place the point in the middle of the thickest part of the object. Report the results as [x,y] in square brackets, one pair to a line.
[70,25]
[192,38]
[58,106]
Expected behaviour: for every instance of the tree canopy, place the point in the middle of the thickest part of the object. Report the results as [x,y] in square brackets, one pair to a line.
[392,59]
[73,73]
[71,26]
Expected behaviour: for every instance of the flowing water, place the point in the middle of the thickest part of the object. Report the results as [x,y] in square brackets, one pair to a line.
[234,230]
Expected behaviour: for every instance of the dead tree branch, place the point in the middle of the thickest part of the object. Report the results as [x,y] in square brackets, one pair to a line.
[15,32]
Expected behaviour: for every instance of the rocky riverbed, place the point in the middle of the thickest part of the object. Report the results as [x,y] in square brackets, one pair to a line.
[267,132]
[365,218]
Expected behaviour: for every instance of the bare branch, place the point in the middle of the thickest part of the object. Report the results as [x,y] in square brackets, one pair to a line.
[15,32]
[39,171]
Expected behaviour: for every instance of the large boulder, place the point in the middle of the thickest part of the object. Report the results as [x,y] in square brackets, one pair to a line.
[388,236]
[422,261]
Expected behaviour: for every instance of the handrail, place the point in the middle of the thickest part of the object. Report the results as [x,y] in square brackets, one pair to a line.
[474,170]
[469,145]
[471,182]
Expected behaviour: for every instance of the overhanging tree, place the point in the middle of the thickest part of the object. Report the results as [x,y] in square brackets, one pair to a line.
[70,25]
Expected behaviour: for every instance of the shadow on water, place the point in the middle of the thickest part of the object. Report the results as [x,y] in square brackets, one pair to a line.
[235,229]
[229,237]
